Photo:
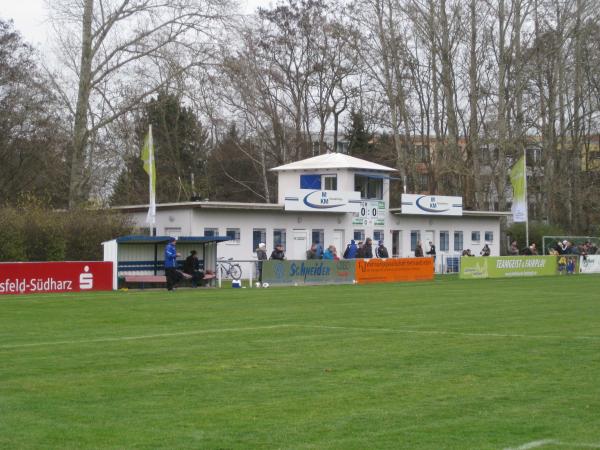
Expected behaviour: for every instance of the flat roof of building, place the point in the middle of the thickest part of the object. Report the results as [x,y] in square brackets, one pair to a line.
[138,239]
[205,205]
[333,161]
[465,212]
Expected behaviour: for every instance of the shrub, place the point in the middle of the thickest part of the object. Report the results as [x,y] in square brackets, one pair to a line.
[31,232]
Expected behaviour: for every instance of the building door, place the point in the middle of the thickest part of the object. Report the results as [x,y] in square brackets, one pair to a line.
[338,241]
[299,245]
[428,236]
[396,244]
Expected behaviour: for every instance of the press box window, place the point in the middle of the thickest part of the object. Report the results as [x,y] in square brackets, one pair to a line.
[489,236]
[318,182]
[475,236]
[258,235]
[369,187]
[310,182]
[234,235]
[330,182]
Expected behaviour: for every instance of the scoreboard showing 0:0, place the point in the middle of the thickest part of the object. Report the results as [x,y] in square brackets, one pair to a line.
[368,210]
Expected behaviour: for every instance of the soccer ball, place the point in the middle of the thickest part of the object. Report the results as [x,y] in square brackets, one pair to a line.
[265,285]
[258,284]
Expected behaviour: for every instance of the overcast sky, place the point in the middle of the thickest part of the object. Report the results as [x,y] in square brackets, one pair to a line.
[30,16]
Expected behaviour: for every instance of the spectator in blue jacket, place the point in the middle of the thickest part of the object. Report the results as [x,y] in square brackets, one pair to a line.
[171,263]
[351,249]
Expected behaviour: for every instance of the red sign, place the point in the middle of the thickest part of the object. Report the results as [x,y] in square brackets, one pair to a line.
[39,277]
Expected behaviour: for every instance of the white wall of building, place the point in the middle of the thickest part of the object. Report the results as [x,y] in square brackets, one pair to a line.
[195,219]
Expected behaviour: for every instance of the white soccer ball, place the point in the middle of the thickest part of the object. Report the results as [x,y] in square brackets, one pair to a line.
[265,285]
[353,281]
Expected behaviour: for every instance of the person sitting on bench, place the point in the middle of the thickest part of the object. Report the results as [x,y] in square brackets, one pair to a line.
[191,266]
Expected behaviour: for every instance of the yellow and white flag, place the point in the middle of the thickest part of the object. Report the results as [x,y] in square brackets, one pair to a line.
[150,169]
[519,184]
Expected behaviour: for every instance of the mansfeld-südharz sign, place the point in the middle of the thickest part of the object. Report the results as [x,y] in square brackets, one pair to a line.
[40,277]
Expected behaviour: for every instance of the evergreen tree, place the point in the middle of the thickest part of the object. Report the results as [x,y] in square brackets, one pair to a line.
[235,171]
[181,152]
[358,135]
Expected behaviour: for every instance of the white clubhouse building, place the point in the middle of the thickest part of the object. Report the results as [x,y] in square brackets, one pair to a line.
[330,199]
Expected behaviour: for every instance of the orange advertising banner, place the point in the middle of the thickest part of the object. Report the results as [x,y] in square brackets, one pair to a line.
[394,269]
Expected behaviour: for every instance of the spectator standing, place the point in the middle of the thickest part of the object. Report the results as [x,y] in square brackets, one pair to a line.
[360,251]
[513,250]
[319,250]
[419,250]
[381,251]
[431,252]
[368,248]
[351,250]
[191,266]
[485,251]
[335,253]
[171,263]
[278,253]
[311,253]
[329,253]
[261,255]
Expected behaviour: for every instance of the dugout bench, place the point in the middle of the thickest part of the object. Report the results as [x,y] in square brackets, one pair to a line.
[139,260]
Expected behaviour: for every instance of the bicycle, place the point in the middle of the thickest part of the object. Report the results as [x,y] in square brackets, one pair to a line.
[229,269]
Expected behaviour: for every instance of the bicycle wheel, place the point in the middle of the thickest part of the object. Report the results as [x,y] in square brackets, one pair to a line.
[235,271]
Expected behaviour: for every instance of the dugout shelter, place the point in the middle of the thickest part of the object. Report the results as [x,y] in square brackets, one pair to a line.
[144,255]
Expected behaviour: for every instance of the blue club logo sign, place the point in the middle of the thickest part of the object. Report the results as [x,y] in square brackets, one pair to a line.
[321,200]
[431,204]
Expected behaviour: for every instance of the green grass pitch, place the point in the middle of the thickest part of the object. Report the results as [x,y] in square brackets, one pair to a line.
[448,364]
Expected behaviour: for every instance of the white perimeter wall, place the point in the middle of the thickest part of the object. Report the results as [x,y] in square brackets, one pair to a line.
[192,222]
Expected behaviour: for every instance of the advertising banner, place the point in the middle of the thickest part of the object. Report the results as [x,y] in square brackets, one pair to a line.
[323,201]
[507,266]
[43,277]
[438,205]
[393,270]
[313,271]
[518,178]
[590,264]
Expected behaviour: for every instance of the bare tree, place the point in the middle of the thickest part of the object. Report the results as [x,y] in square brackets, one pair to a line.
[112,62]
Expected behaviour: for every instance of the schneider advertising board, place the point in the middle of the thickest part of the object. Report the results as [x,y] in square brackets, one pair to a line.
[507,266]
[316,271]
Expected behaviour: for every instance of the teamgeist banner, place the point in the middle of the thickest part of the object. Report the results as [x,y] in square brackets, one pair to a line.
[507,266]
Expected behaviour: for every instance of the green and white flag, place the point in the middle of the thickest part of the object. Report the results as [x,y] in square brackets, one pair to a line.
[519,184]
[150,169]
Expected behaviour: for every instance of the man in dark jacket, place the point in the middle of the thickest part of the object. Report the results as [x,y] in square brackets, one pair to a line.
[381,251]
[191,266]
[368,248]
[261,255]
[431,252]
[419,250]
[278,253]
